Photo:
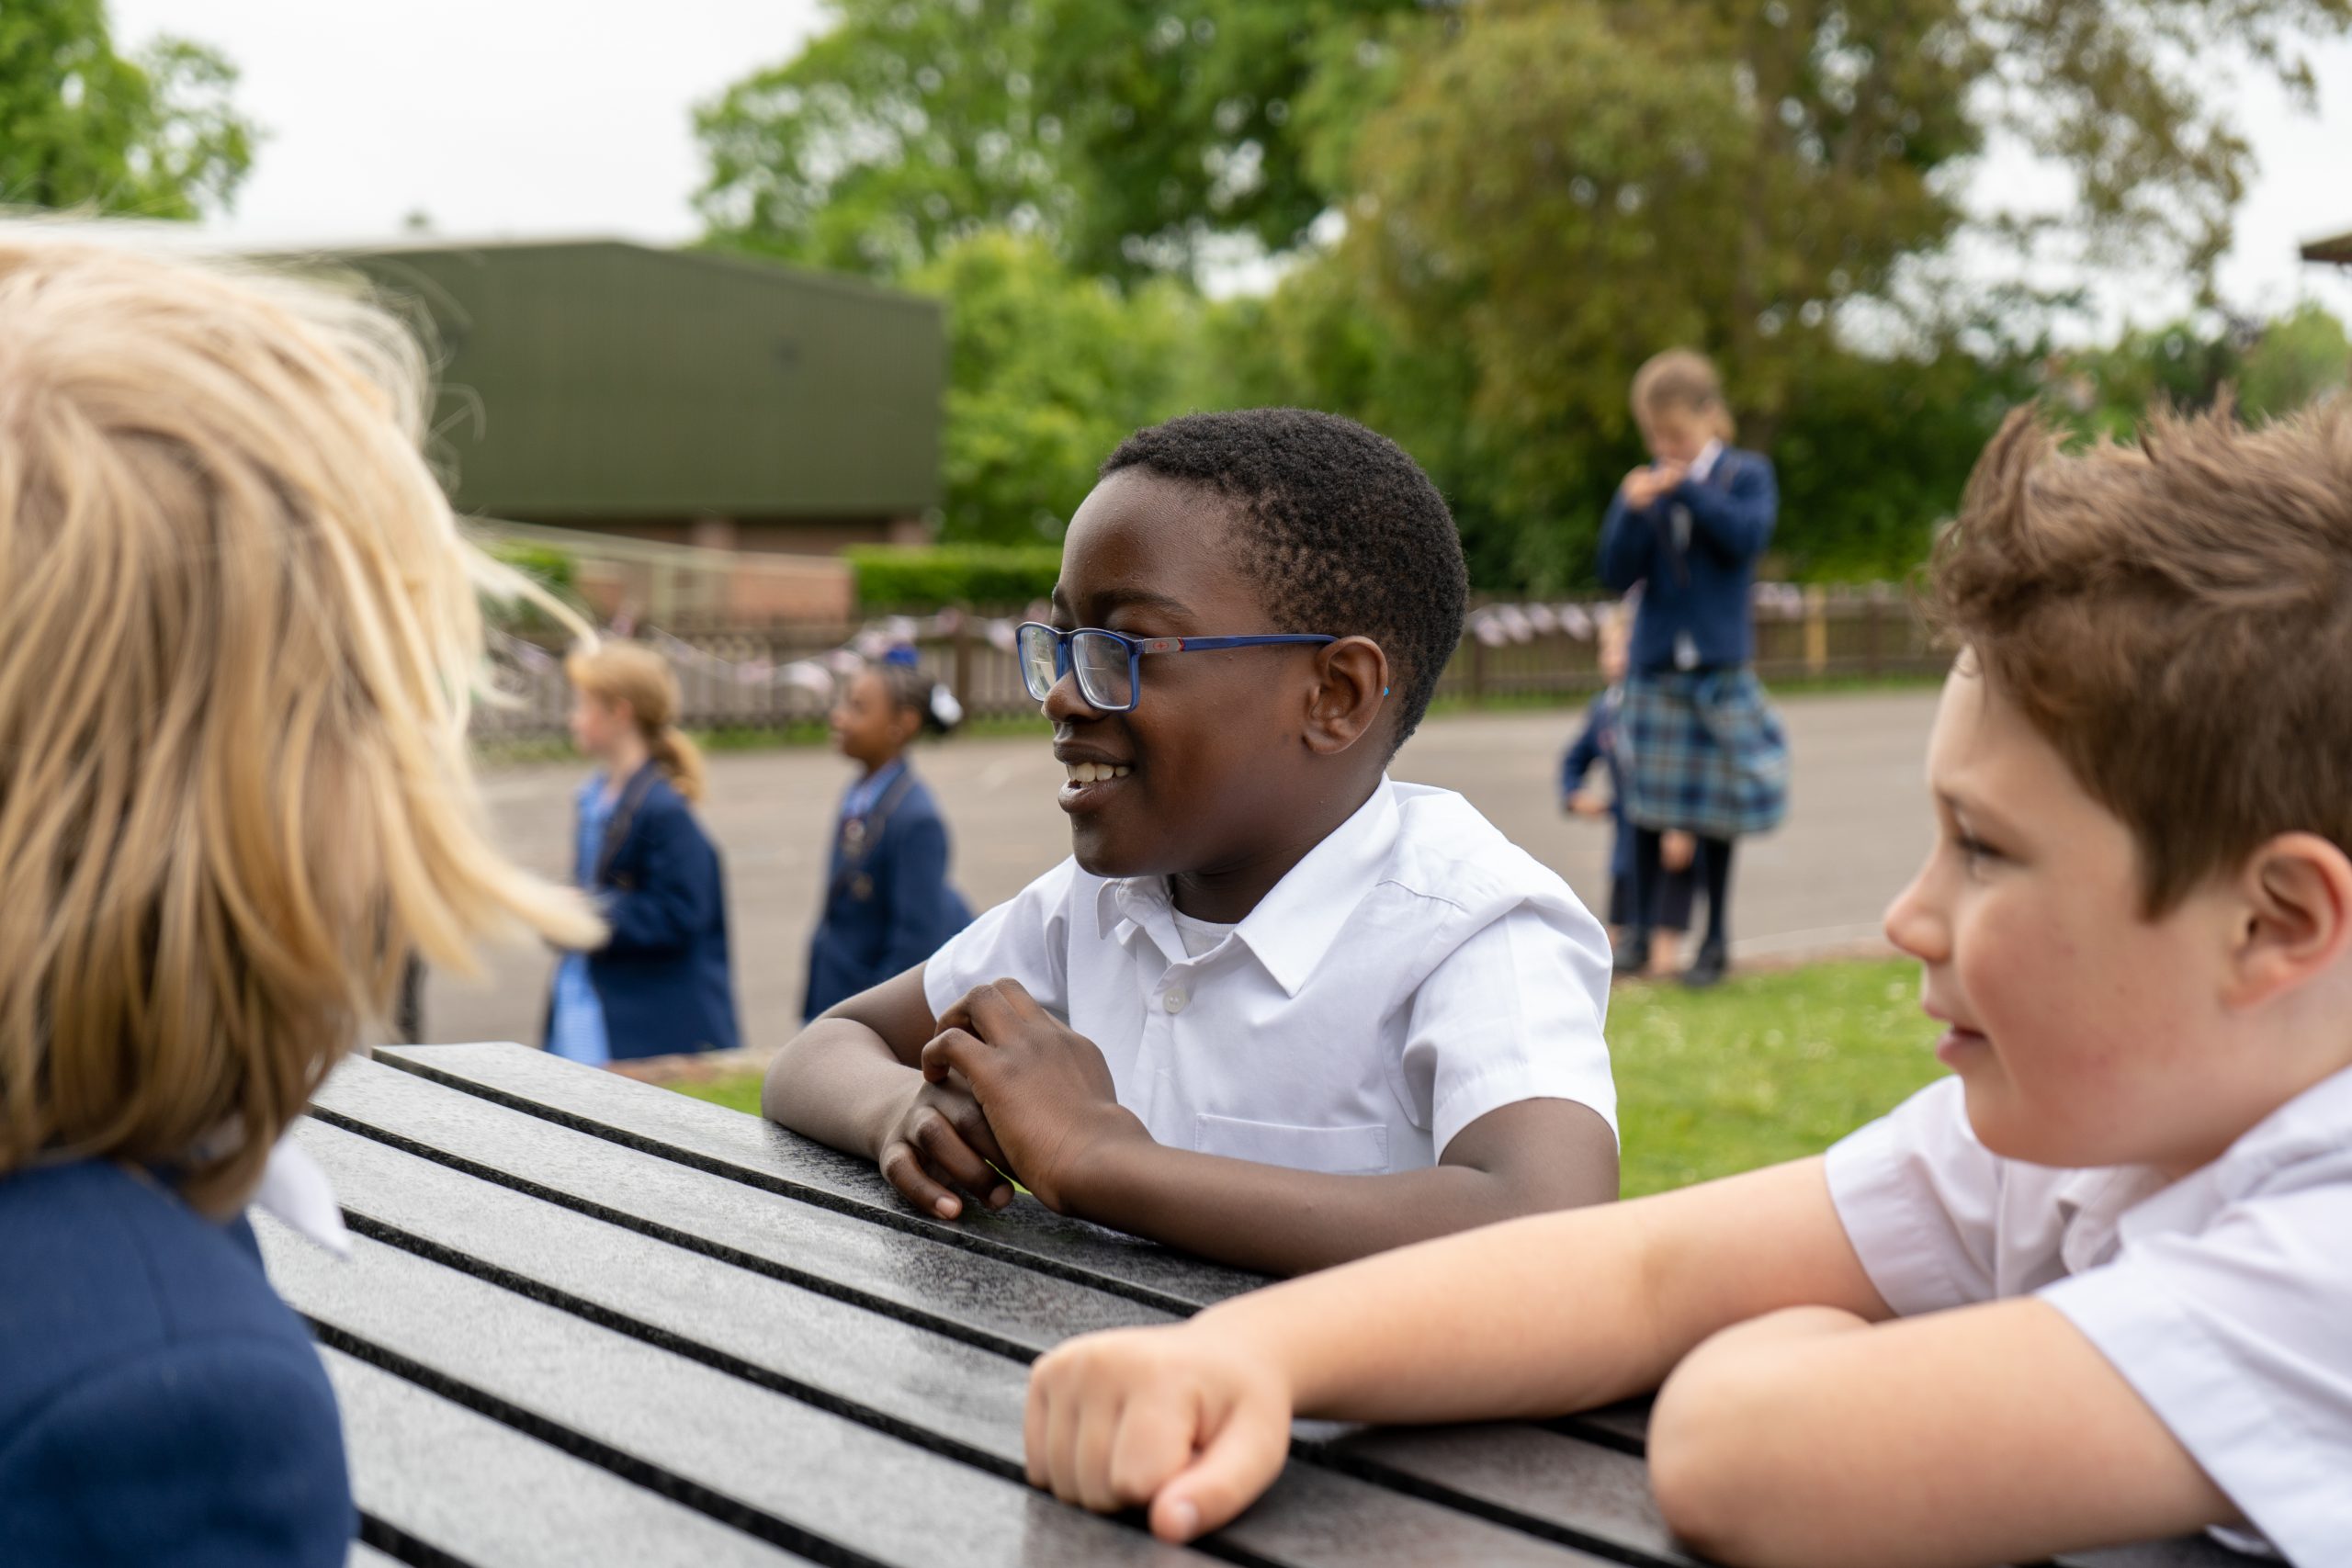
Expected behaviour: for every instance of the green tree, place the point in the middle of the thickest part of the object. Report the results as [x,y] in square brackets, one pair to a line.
[1048,371]
[83,127]
[1127,137]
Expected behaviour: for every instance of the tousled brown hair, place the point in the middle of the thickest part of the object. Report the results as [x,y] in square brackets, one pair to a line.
[240,637]
[1683,379]
[633,673]
[2175,618]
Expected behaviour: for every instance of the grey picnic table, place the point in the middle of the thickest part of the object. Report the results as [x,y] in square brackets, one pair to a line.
[587,1322]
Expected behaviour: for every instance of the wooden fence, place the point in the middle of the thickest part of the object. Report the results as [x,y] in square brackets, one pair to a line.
[777,677]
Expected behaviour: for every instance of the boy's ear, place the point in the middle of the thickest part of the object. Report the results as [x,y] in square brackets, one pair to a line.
[1348,696]
[2294,916]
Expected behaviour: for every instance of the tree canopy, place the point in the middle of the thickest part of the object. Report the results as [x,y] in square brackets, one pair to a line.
[1486,213]
[83,127]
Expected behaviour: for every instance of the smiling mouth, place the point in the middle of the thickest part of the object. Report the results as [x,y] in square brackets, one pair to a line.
[1088,783]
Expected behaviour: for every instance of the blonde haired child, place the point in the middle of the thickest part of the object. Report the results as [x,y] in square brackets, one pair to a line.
[233,798]
[1701,752]
[660,983]
[2092,1288]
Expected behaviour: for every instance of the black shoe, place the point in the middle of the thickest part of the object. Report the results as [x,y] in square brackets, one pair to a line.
[1707,969]
[1633,960]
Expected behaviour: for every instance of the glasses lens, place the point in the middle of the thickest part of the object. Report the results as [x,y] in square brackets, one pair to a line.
[1036,650]
[1103,671]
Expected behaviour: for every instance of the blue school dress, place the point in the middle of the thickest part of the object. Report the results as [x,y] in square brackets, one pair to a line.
[1702,750]
[158,1401]
[662,985]
[887,903]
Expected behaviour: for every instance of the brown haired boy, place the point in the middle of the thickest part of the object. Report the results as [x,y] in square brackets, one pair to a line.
[2092,1288]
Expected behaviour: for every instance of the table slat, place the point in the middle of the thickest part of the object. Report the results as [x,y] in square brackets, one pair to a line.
[801,1477]
[749,1148]
[987,1299]
[935,1391]
[492,1497]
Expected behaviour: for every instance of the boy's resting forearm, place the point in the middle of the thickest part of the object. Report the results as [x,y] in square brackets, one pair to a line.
[839,1082]
[1553,1313]
[1280,1221]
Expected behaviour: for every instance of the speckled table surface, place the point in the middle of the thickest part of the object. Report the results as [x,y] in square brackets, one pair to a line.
[587,1322]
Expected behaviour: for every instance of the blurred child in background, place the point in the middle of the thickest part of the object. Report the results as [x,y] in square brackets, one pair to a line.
[1599,743]
[660,986]
[1702,753]
[887,903]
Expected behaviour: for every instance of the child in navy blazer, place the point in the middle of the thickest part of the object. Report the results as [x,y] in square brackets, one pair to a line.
[1702,752]
[1599,742]
[233,799]
[661,984]
[888,906]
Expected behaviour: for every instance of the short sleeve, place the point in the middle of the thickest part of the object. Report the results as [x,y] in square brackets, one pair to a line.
[1920,1199]
[2236,1336]
[1514,1012]
[1026,938]
[217,1456]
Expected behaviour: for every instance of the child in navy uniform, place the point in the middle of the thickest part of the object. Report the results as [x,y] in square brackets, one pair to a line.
[1702,751]
[1599,742]
[234,798]
[663,984]
[888,902]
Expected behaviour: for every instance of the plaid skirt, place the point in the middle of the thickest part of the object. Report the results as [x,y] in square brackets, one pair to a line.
[1702,752]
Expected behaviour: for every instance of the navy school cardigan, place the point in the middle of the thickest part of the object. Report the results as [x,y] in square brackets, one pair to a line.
[1695,581]
[887,903]
[664,979]
[158,1401]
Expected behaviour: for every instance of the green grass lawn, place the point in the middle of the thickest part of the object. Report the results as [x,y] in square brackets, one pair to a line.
[1764,1068]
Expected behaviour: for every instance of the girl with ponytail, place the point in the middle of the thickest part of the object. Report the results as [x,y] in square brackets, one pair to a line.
[887,903]
[661,985]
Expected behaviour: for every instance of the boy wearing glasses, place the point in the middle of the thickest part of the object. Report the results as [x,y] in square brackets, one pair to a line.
[1268,972]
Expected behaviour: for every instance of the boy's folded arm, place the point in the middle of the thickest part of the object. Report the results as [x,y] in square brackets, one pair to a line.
[1991,1433]
[839,1079]
[1528,1158]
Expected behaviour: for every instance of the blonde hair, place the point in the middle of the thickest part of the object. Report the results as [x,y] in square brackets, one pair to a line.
[2175,620]
[630,673]
[1683,379]
[240,634]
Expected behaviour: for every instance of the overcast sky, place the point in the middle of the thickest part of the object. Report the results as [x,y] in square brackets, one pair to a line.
[573,117]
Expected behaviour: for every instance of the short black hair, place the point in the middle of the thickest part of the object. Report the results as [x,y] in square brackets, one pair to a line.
[1346,533]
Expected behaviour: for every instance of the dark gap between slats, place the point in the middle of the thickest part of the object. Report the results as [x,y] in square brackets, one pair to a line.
[819,1284]
[1592,1432]
[396,1542]
[653,1478]
[1494,1513]
[874,1213]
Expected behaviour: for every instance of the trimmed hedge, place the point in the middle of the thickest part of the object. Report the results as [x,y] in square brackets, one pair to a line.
[925,577]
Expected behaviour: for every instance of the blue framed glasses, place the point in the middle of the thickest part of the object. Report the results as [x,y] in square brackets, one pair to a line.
[1108,665]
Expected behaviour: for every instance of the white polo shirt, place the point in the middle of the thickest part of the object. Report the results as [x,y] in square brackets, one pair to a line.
[1414,972]
[2225,1298]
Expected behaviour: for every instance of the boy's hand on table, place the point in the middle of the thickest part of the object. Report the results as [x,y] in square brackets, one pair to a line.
[1187,1419]
[940,1141]
[1045,1089]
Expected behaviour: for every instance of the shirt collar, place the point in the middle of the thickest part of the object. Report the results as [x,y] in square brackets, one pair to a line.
[2131,1202]
[1296,922]
[1704,463]
[866,791]
[295,1191]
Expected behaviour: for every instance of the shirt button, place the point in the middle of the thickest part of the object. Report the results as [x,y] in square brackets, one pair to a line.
[1174,1000]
